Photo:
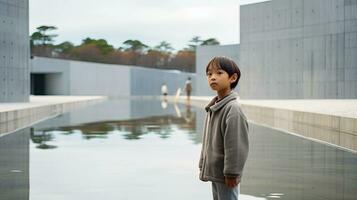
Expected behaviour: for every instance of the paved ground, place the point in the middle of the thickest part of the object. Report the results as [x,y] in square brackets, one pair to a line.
[344,108]
[335,107]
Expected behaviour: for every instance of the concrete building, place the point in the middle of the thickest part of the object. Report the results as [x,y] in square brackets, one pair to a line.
[14,51]
[299,49]
[203,55]
[66,77]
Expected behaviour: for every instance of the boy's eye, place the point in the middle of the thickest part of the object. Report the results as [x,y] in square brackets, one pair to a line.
[219,72]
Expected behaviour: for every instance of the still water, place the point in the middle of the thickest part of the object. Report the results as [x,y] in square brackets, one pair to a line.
[147,149]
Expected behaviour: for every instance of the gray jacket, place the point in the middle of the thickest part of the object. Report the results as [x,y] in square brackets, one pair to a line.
[225,143]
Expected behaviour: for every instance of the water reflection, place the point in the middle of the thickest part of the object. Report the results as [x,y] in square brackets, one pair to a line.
[131,129]
[14,165]
[41,137]
[181,118]
[288,167]
[101,148]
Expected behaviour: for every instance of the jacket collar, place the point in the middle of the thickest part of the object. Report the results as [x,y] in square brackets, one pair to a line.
[213,106]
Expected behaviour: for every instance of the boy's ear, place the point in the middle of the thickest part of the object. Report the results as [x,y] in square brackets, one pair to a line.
[234,77]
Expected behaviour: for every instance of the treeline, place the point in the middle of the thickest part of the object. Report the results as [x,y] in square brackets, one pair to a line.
[132,52]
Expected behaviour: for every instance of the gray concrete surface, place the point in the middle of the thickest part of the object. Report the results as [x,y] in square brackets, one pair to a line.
[297,49]
[68,77]
[14,51]
[14,116]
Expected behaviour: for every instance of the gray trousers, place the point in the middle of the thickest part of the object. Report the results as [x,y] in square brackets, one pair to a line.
[221,192]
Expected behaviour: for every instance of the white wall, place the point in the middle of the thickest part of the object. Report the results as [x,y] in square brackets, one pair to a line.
[95,78]
[54,83]
[67,77]
[57,74]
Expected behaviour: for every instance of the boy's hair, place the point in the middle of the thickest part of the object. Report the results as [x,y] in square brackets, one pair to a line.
[227,65]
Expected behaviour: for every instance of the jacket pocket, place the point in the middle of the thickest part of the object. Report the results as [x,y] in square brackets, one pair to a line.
[216,165]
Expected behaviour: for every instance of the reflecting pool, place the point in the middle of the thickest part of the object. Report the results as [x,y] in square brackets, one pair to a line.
[148,149]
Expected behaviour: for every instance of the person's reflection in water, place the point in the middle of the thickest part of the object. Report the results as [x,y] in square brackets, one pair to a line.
[164,103]
[177,110]
[188,89]
[189,115]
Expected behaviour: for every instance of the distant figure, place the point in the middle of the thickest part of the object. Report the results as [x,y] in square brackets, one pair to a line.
[188,89]
[164,90]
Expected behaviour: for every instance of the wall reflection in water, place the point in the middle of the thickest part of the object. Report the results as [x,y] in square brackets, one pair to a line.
[14,165]
[131,129]
[144,117]
[288,167]
[111,145]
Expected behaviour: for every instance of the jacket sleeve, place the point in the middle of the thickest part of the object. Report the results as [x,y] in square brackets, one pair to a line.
[236,144]
[201,160]
[203,143]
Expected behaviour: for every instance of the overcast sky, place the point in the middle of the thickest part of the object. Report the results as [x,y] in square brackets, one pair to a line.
[150,21]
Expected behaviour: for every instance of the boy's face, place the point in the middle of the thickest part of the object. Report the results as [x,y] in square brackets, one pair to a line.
[219,80]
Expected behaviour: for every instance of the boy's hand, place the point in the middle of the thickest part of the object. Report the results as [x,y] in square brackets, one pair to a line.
[231,182]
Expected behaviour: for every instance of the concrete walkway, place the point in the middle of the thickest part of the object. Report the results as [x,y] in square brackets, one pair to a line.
[336,107]
[341,108]
[330,121]
[38,101]
[14,116]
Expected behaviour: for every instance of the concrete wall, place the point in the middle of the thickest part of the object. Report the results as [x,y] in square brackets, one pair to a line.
[337,130]
[53,82]
[100,79]
[203,55]
[18,116]
[65,77]
[146,81]
[299,49]
[14,51]
[57,74]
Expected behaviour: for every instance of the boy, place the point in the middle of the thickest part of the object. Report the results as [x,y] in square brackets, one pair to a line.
[225,141]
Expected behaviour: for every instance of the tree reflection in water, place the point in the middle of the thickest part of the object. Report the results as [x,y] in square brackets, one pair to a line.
[41,137]
[131,129]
